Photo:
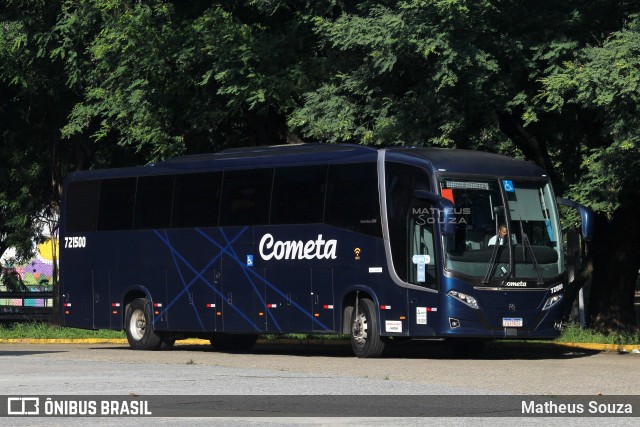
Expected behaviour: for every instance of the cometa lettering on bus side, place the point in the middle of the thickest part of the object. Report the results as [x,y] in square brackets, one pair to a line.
[297,249]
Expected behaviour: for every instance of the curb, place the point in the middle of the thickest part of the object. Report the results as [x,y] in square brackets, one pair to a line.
[197,341]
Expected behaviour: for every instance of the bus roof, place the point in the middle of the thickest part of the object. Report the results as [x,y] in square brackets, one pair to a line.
[439,160]
[278,154]
[457,161]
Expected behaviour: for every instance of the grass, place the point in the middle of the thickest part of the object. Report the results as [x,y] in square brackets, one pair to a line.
[47,331]
[571,333]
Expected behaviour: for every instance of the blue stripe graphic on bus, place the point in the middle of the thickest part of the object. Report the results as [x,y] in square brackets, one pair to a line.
[184,284]
[199,275]
[235,257]
[262,279]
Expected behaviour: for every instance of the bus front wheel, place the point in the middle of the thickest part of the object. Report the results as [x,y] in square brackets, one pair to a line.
[365,338]
[138,327]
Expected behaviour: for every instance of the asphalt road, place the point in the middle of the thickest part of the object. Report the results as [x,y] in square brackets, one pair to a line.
[421,369]
[315,369]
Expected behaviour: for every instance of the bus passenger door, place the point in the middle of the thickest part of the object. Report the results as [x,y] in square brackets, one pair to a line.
[421,268]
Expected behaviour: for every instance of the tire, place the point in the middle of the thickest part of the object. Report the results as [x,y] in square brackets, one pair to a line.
[240,343]
[467,348]
[365,338]
[138,326]
[167,342]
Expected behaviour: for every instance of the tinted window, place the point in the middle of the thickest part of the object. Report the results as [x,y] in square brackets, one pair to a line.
[298,195]
[82,205]
[402,181]
[116,204]
[245,197]
[352,198]
[153,202]
[196,200]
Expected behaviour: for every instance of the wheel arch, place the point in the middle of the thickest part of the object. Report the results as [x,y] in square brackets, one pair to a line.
[130,294]
[349,302]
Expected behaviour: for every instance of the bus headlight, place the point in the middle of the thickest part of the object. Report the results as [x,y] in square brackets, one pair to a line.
[464,298]
[553,300]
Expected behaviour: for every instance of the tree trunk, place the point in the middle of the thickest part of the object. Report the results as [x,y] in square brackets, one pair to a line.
[616,259]
[533,148]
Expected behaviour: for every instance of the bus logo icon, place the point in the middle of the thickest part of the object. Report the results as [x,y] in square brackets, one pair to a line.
[23,406]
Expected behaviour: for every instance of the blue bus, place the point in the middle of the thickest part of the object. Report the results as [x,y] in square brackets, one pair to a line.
[380,244]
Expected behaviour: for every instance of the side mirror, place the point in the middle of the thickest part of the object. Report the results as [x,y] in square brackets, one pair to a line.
[446,215]
[586,215]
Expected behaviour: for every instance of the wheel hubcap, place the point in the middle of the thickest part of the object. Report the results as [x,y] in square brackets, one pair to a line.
[138,325]
[360,330]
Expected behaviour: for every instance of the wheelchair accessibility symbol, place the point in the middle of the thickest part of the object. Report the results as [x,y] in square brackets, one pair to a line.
[507,184]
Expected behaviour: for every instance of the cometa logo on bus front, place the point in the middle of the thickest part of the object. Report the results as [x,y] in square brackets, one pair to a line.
[297,249]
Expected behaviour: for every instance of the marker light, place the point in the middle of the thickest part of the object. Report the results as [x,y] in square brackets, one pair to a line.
[464,298]
[553,300]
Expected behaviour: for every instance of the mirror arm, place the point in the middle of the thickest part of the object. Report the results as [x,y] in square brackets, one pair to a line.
[586,215]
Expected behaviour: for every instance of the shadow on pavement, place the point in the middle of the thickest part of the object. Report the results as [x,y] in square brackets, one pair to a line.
[403,350]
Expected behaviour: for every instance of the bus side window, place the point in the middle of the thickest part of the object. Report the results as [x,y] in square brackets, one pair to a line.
[116,204]
[352,198]
[82,205]
[402,181]
[153,202]
[246,196]
[298,195]
[196,200]
[421,244]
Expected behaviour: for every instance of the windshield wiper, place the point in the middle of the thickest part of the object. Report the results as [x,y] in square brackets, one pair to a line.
[492,265]
[526,244]
[494,254]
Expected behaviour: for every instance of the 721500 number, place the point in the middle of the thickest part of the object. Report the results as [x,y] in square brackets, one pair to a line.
[75,242]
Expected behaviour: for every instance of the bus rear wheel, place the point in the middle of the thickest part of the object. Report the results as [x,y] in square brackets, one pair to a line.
[138,326]
[365,338]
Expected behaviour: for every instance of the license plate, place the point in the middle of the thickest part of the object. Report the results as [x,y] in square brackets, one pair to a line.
[512,322]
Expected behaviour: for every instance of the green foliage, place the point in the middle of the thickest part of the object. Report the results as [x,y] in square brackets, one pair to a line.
[605,79]
[47,331]
[94,84]
[574,334]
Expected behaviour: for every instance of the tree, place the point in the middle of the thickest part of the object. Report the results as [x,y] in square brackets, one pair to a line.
[472,75]
[93,84]
[604,81]
[30,118]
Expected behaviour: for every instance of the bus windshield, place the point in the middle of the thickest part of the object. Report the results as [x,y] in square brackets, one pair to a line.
[506,230]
